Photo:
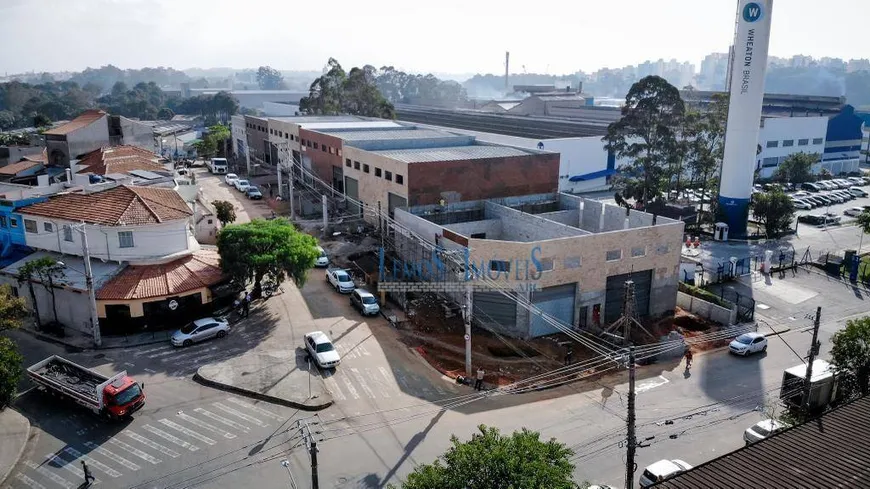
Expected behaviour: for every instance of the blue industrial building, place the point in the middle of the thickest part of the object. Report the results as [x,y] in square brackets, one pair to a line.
[843,142]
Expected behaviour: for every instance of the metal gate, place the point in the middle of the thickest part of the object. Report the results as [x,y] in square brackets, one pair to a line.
[495,309]
[616,293]
[557,302]
[395,201]
[351,190]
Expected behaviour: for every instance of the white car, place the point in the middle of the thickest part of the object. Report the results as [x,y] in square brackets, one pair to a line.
[748,343]
[854,211]
[242,185]
[323,259]
[340,280]
[365,302]
[762,430]
[199,330]
[661,470]
[231,179]
[321,350]
[800,204]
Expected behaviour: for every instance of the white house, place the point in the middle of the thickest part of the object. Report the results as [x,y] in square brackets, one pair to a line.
[780,137]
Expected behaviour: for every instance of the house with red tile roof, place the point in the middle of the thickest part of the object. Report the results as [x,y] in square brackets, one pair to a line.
[85,133]
[122,160]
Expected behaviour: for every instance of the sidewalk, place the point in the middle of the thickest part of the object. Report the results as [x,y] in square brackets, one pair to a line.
[14,432]
[80,341]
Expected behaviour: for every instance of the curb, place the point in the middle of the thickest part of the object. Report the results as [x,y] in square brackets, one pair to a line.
[79,349]
[425,362]
[3,477]
[259,395]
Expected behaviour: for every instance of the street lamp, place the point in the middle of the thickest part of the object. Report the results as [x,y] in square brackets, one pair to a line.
[286,465]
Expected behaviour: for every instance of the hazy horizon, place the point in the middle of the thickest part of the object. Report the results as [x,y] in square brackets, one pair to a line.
[445,39]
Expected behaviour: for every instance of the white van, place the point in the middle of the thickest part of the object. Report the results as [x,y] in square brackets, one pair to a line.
[217,166]
[858,191]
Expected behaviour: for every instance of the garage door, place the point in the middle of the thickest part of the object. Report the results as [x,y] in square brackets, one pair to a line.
[557,302]
[494,308]
[351,189]
[616,293]
[396,201]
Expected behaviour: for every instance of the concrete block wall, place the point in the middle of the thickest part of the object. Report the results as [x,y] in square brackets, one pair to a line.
[707,310]
[614,218]
[519,226]
[638,219]
[491,227]
[568,217]
[590,220]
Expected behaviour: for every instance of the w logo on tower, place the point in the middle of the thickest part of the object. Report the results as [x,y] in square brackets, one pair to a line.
[751,12]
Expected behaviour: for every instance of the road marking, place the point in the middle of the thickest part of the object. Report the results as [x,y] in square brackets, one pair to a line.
[96,463]
[62,462]
[332,387]
[166,436]
[651,384]
[150,371]
[145,441]
[362,383]
[239,414]
[187,431]
[117,458]
[129,364]
[142,352]
[135,451]
[221,419]
[185,359]
[28,481]
[403,381]
[349,386]
[362,349]
[252,407]
[204,425]
[382,386]
[51,475]
[162,354]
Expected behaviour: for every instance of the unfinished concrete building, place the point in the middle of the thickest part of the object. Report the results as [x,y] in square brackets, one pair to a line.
[567,255]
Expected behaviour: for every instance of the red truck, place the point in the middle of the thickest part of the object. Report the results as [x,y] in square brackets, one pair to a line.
[115,397]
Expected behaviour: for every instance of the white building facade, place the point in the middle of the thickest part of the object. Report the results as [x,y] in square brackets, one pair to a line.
[780,137]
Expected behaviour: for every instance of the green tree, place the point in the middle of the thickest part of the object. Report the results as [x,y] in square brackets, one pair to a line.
[850,355]
[774,210]
[165,114]
[41,120]
[225,211]
[7,120]
[269,78]
[46,271]
[12,309]
[796,168]
[271,249]
[491,460]
[646,134]
[205,147]
[10,371]
[337,92]
[707,146]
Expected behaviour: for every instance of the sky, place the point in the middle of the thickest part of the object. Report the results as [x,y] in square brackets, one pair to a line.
[444,36]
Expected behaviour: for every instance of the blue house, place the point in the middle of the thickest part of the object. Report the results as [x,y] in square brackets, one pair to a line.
[843,142]
[12,241]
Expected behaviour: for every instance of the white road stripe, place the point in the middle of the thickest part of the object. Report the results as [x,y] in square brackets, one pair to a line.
[203,424]
[186,431]
[362,383]
[49,474]
[240,414]
[135,451]
[148,443]
[252,407]
[362,349]
[129,364]
[96,463]
[221,419]
[150,371]
[62,462]
[111,456]
[163,353]
[332,387]
[150,350]
[382,386]
[349,386]
[28,481]
[166,436]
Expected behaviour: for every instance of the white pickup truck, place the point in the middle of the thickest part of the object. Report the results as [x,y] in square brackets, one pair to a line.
[340,279]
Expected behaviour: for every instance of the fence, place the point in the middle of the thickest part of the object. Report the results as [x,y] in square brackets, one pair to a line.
[707,310]
[725,271]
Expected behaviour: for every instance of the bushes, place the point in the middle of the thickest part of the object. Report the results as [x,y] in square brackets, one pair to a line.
[704,295]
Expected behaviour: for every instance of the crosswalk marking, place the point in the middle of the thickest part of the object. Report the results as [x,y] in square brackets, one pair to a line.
[163,353]
[49,474]
[332,387]
[350,386]
[186,431]
[142,352]
[28,481]
[252,407]
[166,436]
[111,456]
[135,451]
[240,415]
[145,441]
[382,386]
[204,425]
[221,419]
[96,463]
[362,383]
[362,349]
[61,462]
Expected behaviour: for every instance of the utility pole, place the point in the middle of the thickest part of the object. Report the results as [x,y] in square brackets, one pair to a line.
[325,209]
[469,294]
[292,180]
[380,225]
[631,440]
[89,280]
[247,159]
[312,451]
[814,350]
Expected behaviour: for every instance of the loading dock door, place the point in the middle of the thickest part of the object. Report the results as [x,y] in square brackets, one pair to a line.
[616,293]
[395,201]
[495,310]
[557,302]
[351,190]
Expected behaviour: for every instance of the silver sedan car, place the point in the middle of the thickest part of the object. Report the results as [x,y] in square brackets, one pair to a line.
[200,330]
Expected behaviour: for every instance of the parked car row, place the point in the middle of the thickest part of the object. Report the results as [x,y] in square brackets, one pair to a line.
[827,219]
[806,200]
[244,186]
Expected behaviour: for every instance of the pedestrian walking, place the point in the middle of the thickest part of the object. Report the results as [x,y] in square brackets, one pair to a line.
[569,356]
[688,358]
[478,382]
[246,305]
[88,476]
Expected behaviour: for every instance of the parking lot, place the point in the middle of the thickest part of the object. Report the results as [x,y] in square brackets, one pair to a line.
[825,203]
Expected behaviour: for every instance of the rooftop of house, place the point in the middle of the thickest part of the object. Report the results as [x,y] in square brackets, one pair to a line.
[16,168]
[84,119]
[455,153]
[102,271]
[192,272]
[118,159]
[387,134]
[830,451]
[118,206]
